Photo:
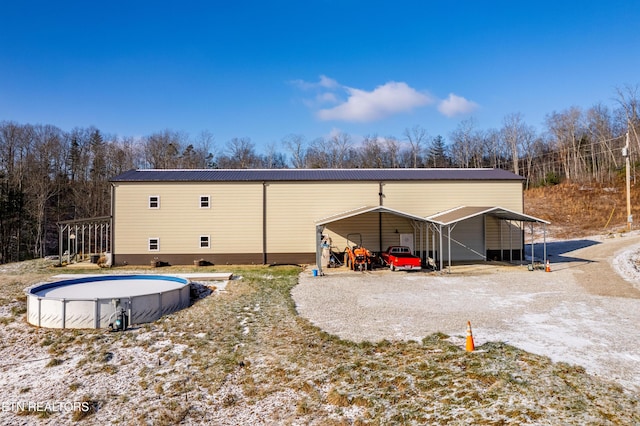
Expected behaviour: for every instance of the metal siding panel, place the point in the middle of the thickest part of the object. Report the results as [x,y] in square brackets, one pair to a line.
[493,234]
[366,225]
[498,234]
[294,207]
[428,198]
[391,224]
[233,222]
[468,232]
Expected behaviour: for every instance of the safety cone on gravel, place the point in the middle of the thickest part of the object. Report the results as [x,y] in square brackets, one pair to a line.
[470,347]
[547,268]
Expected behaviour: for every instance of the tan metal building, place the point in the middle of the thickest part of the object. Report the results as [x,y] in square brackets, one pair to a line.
[279,216]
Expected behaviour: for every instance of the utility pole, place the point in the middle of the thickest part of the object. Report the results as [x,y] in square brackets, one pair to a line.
[625,154]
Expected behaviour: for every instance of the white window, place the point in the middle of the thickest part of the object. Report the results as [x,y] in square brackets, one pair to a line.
[154,201]
[154,244]
[205,241]
[204,202]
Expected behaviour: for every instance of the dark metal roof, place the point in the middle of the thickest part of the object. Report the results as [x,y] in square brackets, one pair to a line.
[258,175]
[461,213]
[368,209]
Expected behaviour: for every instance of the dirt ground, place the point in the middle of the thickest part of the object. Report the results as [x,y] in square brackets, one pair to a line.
[586,311]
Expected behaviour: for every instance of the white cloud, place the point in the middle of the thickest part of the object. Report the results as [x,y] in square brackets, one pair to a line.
[328,83]
[384,101]
[456,105]
[334,132]
[323,83]
[335,102]
[327,97]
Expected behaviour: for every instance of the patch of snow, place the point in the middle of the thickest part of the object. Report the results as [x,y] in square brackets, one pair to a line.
[627,264]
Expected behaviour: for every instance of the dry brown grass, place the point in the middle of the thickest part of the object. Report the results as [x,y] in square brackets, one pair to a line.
[577,210]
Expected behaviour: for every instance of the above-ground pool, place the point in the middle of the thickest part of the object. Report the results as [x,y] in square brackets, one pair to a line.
[92,302]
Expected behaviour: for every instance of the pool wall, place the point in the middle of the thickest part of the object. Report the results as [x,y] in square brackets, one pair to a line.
[53,312]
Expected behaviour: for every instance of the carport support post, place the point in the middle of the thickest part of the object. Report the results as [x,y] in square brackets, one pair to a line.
[449,245]
[60,242]
[544,240]
[319,230]
[433,243]
[533,259]
[68,237]
[441,254]
[510,242]
[426,240]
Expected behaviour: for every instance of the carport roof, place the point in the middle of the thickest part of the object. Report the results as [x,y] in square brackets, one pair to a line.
[367,209]
[461,213]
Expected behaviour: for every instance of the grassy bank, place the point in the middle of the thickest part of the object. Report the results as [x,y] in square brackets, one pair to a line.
[577,210]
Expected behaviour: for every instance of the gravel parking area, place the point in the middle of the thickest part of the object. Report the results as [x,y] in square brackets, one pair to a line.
[586,311]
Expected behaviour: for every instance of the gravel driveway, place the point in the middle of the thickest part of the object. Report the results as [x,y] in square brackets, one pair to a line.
[583,312]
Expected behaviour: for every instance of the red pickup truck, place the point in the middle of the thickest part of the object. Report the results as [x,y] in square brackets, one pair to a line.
[400,257]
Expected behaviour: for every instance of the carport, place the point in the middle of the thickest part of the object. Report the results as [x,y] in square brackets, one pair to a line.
[419,225]
[449,219]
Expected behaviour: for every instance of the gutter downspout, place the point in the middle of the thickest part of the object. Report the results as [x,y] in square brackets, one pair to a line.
[264,223]
[110,245]
[380,203]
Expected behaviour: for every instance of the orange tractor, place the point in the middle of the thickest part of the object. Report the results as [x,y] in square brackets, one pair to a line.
[356,257]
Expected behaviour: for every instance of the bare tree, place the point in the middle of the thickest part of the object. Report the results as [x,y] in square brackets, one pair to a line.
[466,147]
[372,154]
[205,149]
[630,103]
[15,145]
[393,151]
[273,159]
[339,146]
[332,152]
[603,159]
[516,134]
[567,130]
[417,138]
[162,150]
[122,154]
[295,144]
[47,144]
[239,154]
[494,148]
[189,158]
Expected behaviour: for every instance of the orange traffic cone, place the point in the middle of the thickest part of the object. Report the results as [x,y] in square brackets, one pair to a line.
[470,347]
[547,268]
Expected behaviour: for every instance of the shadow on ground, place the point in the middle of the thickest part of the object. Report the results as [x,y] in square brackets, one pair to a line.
[557,250]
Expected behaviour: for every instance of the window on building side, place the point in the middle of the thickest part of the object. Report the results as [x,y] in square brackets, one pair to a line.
[154,201]
[204,241]
[204,202]
[154,244]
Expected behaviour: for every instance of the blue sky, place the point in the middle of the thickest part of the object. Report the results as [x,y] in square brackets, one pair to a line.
[267,69]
